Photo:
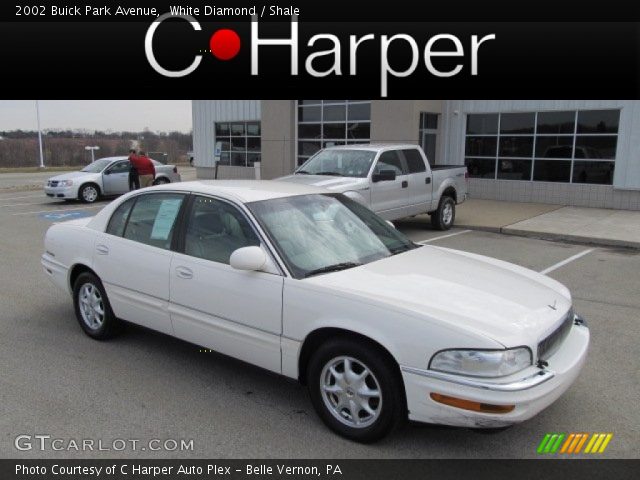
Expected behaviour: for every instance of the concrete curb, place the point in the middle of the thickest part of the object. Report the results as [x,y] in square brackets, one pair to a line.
[557,237]
[567,237]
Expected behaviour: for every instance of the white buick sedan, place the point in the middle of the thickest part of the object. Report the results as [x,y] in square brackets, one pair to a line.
[314,286]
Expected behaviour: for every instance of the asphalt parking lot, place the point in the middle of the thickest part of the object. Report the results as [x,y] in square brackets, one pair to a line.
[143,385]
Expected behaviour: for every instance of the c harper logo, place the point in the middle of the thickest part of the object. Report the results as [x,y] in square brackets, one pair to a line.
[573,443]
[226,43]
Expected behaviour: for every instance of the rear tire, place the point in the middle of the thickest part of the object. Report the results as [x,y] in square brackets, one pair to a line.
[161,181]
[444,217]
[89,193]
[355,390]
[92,308]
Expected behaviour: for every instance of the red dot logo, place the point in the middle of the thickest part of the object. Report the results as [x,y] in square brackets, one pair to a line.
[224,44]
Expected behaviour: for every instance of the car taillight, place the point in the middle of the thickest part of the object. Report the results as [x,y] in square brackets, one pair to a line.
[175,169]
[466,175]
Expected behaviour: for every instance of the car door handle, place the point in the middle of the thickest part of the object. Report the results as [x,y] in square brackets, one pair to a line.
[405,184]
[427,180]
[184,272]
[102,249]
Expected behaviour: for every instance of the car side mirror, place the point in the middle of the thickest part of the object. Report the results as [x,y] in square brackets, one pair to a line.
[107,172]
[384,176]
[248,258]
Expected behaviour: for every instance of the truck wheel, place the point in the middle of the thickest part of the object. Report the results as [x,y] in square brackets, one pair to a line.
[355,390]
[445,215]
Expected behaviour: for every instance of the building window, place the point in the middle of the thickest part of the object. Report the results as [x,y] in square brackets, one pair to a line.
[563,146]
[326,123]
[240,143]
[428,135]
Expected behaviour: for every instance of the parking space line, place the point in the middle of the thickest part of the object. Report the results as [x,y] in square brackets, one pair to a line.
[568,260]
[19,204]
[57,210]
[4,199]
[422,242]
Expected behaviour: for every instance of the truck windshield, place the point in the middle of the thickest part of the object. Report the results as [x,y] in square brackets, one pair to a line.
[342,163]
[323,233]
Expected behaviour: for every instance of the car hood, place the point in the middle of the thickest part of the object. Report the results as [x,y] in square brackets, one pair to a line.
[507,303]
[74,175]
[337,184]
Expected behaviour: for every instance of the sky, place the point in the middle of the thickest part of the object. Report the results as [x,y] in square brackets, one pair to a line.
[116,115]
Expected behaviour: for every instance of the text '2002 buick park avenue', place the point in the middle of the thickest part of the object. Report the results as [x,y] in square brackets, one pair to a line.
[315,286]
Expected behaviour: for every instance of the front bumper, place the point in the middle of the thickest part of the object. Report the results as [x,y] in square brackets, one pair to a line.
[531,391]
[61,192]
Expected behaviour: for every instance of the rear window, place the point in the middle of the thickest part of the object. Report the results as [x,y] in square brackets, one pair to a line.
[153,218]
[119,218]
[414,160]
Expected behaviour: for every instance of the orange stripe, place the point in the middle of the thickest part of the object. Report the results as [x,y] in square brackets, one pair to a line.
[584,439]
[577,438]
[567,442]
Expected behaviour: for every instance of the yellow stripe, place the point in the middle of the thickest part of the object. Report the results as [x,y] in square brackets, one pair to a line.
[606,442]
[575,442]
[594,437]
[584,439]
[567,442]
[596,445]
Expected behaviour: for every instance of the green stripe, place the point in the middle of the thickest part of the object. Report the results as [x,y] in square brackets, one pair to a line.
[547,449]
[543,442]
[558,442]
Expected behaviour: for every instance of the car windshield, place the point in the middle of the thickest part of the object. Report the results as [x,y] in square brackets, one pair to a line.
[343,163]
[322,233]
[97,166]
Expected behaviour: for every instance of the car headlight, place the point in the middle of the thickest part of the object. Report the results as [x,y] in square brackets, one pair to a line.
[65,183]
[482,363]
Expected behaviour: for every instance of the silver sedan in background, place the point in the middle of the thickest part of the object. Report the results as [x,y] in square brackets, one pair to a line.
[104,177]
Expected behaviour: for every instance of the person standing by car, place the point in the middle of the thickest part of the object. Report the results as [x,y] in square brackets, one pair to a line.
[145,168]
[134,179]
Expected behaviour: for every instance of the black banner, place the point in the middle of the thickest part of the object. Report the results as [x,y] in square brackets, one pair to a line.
[107,60]
[324,469]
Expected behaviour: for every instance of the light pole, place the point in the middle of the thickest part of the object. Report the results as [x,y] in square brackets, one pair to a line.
[39,133]
[93,149]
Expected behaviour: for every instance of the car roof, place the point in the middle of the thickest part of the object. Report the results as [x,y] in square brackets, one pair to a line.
[112,159]
[373,146]
[243,191]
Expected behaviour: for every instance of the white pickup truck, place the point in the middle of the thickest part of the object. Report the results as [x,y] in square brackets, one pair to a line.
[393,180]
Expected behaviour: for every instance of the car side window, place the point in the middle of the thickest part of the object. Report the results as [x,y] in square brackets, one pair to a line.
[215,229]
[118,219]
[414,160]
[120,167]
[153,218]
[389,161]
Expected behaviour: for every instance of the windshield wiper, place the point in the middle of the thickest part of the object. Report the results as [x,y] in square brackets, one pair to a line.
[334,174]
[332,268]
[301,172]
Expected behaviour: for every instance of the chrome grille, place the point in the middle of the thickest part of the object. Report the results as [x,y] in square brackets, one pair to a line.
[552,342]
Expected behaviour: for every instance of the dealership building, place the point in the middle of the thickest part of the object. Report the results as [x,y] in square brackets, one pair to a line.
[569,152]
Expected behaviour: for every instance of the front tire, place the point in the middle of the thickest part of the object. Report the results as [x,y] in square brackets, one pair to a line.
[92,308]
[89,193]
[355,390]
[444,217]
